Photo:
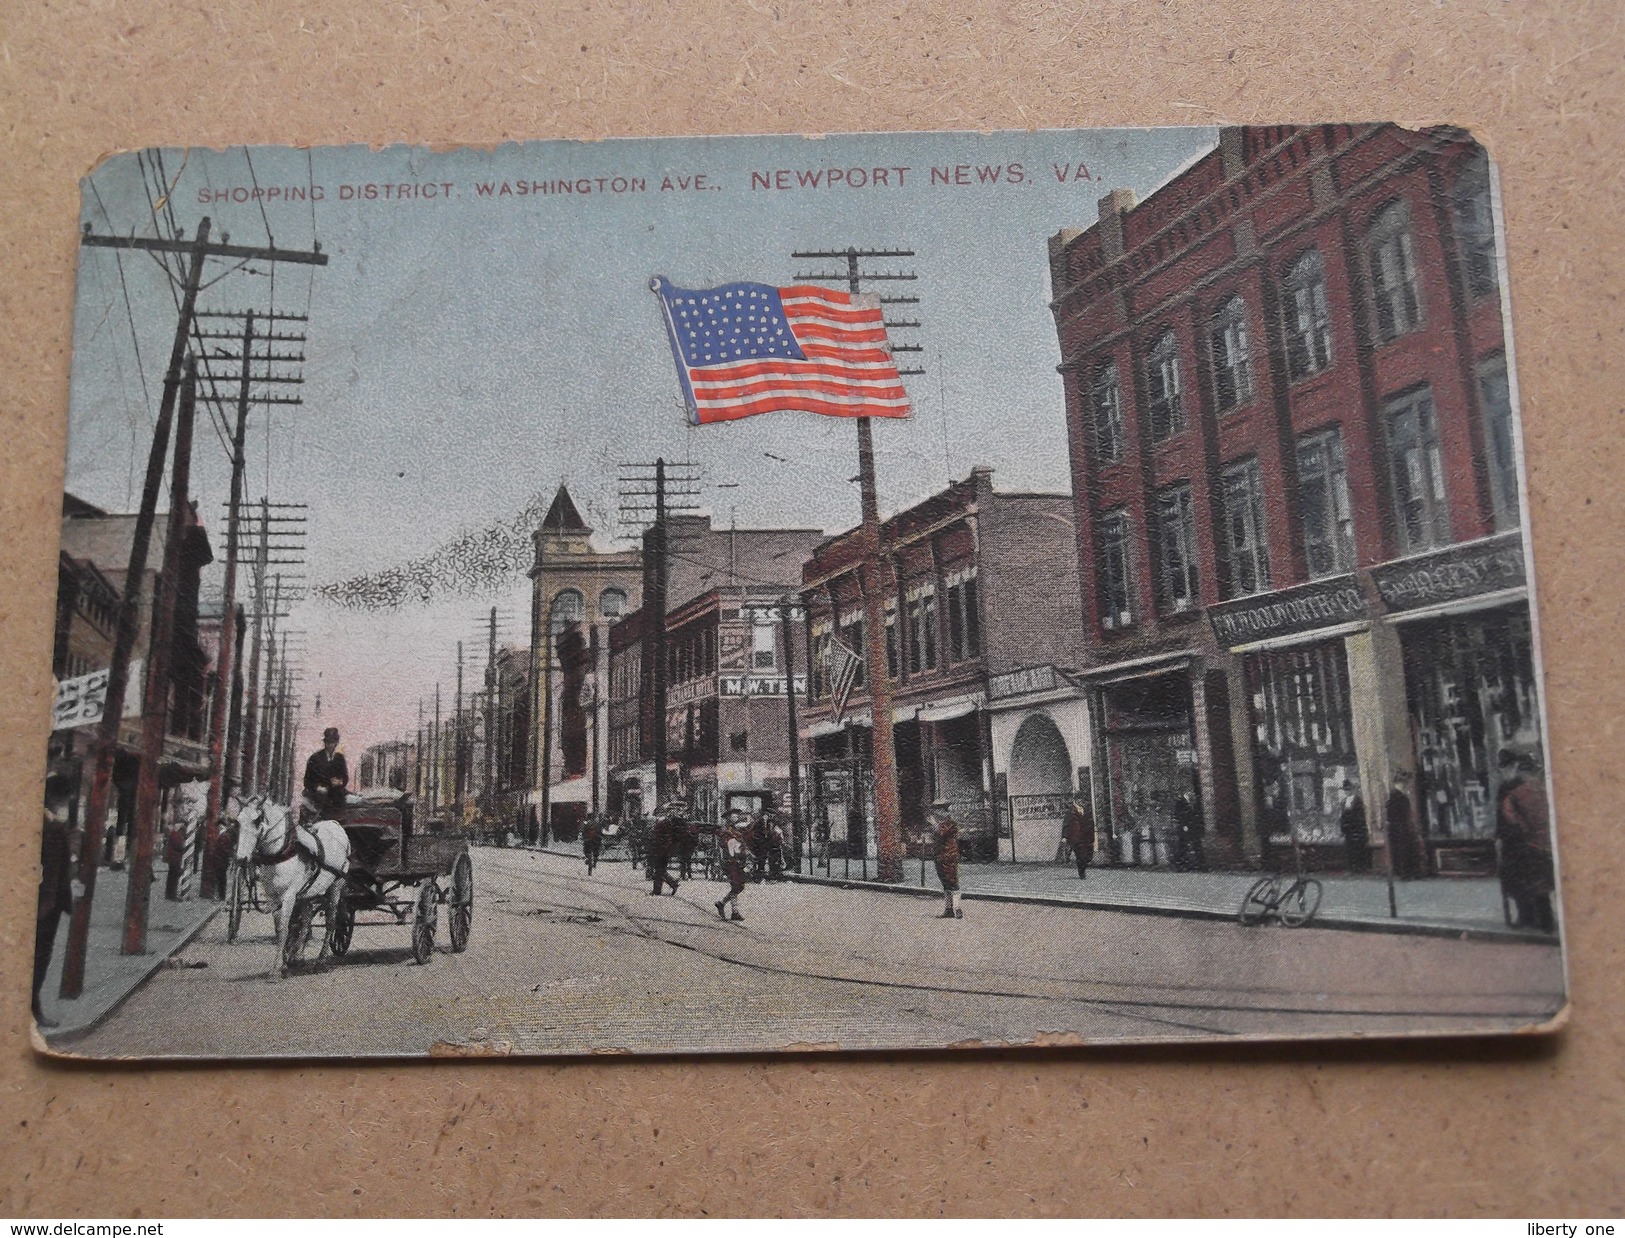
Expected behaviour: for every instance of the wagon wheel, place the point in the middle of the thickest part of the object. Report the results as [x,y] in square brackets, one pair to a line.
[462,903]
[299,922]
[341,924]
[235,895]
[423,923]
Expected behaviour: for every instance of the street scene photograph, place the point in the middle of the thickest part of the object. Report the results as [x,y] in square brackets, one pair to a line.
[741,594]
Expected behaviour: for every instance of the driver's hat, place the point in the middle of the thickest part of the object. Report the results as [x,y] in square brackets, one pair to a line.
[331,735]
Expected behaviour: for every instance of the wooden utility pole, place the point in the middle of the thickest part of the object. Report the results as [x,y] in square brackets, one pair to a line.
[457,761]
[656,610]
[219,785]
[888,814]
[489,792]
[160,650]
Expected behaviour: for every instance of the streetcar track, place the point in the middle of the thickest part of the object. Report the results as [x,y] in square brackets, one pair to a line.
[1119,1006]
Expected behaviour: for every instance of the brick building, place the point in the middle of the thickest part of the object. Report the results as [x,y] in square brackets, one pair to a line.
[726,715]
[1297,495]
[981,627]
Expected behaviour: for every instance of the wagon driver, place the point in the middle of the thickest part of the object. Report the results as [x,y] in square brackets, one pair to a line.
[326,776]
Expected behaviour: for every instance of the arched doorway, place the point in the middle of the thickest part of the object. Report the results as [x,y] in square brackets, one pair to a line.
[1040,787]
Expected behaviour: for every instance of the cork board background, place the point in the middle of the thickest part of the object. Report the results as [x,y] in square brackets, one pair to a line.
[1459,1127]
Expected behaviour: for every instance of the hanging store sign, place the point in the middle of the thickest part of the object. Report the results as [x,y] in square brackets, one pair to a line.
[82,700]
[1456,572]
[1024,682]
[1285,612]
[758,685]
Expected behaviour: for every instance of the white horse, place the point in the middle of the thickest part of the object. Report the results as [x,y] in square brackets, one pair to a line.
[296,865]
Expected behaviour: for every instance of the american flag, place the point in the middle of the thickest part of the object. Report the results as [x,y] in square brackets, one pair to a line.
[743,349]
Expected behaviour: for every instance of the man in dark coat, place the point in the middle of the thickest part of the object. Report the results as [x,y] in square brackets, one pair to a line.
[326,777]
[592,841]
[1404,843]
[1356,833]
[57,885]
[1079,831]
[734,853]
[1523,828]
[1189,827]
[945,834]
[671,823]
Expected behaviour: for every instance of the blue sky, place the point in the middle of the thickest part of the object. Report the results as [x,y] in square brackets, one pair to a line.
[466,351]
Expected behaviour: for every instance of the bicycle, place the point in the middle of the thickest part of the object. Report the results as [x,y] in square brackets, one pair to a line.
[1294,904]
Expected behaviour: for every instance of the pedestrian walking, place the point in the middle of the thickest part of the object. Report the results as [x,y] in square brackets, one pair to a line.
[945,834]
[592,840]
[58,888]
[734,852]
[1523,829]
[670,823]
[1356,833]
[687,841]
[775,845]
[756,841]
[1079,831]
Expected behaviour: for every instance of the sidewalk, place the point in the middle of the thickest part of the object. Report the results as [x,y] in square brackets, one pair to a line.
[1449,906]
[1438,906]
[110,977]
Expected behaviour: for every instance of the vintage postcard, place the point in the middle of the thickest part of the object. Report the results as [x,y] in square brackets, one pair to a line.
[733,594]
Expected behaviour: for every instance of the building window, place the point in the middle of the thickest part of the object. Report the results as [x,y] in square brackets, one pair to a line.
[1116,608]
[1176,549]
[763,648]
[922,629]
[612,603]
[1162,389]
[1108,419]
[1393,273]
[964,621]
[1232,358]
[1245,541]
[1496,400]
[1418,472]
[1475,227]
[1308,324]
[1323,497]
[568,607]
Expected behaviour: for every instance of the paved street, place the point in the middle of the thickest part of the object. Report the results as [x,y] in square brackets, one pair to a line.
[563,963]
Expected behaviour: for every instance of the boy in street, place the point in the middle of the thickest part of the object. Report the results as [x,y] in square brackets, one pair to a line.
[592,841]
[945,832]
[733,864]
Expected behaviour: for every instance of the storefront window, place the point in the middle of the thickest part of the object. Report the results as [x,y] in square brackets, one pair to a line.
[1303,741]
[1323,496]
[1470,681]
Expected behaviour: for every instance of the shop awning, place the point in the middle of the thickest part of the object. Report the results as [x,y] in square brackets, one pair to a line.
[1137,668]
[953,707]
[830,726]
[571,791]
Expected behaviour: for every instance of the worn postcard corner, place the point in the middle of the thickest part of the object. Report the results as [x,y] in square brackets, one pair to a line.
[854,592]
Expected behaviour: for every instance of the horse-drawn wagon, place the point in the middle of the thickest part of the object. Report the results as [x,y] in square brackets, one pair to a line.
[396,873]
[389,875]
